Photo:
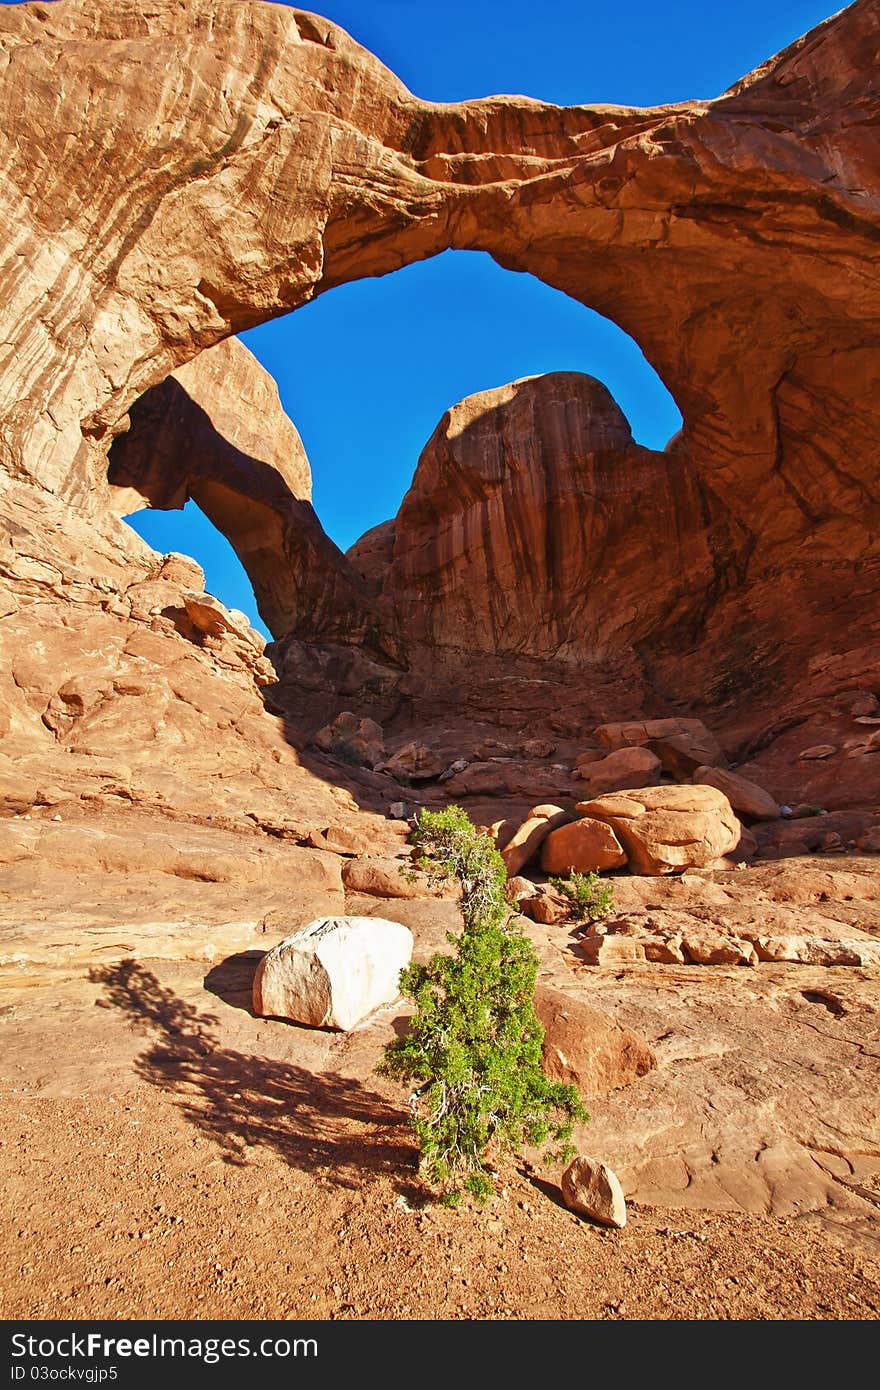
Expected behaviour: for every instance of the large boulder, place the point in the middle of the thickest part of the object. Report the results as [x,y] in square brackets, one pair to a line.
[746,798]
[352,739]
[584,846]
[585,1048]
[381,878]
[681,754]
[626,767]
[334,972]
[665,830]
[528,839]
[639,733]
[415,762]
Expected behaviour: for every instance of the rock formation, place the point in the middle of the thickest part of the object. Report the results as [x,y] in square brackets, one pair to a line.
[333,972]
[152,218]
[215,431]
[534,524]
[208,164]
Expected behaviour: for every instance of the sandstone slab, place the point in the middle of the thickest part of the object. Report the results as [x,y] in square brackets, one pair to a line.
[746,798]
[681,754]
[640,733]
[624,768]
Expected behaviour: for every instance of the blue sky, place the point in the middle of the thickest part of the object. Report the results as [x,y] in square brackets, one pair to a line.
[366,371]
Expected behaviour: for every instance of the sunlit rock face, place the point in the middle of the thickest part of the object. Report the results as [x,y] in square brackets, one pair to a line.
[535,525]
[208,165]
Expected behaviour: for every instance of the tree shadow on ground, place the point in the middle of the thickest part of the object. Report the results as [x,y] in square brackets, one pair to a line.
[326,1124]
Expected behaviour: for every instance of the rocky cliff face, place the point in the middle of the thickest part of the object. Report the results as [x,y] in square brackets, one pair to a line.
[215,431]
[535,525]
[207,165]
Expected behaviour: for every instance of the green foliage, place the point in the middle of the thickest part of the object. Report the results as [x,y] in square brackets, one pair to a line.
[474,1044]
[591,897]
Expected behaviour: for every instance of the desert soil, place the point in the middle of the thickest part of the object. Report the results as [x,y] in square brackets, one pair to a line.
[167,1155]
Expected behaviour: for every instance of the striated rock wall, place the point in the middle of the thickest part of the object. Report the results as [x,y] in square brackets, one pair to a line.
[535,525]
[207,165]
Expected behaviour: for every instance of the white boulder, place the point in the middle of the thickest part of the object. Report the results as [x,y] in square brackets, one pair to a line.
[334,972]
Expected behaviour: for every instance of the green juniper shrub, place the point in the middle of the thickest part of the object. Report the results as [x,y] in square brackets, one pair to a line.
[590,897]
[473,1048]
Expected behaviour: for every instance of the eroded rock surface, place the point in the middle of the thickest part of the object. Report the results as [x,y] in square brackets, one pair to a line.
[283,159]
[215,432]
[207,165]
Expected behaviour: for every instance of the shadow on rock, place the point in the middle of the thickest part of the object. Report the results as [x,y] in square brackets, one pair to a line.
[327,1124]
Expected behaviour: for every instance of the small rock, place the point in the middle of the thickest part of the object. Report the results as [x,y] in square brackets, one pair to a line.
[593,1189]
[478,779]
[831,843]
[519,890]
[711,948]
[548,908]
[398,810]
[492,748]
[818,750]
[861,704]
[538,748]
[453,769]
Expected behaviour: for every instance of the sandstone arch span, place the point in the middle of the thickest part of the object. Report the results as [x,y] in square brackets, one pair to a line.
[243,157]
[215,432]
